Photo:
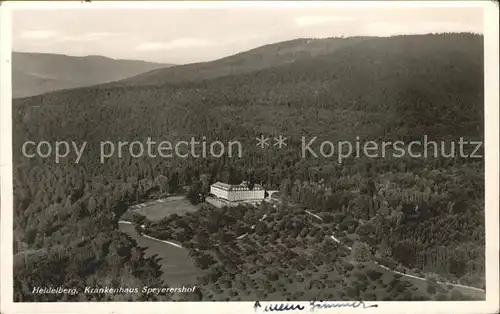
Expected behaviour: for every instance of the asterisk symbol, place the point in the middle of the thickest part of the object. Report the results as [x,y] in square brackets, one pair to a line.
[262,141]
[280,141]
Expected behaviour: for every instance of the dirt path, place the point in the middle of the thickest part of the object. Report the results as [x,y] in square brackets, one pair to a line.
[331,236]
[395,271]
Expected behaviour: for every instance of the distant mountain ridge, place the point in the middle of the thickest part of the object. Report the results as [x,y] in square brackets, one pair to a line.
[276,54]
[38,73]
[402,86]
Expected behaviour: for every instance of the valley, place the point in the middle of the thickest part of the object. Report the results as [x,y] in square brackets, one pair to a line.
[38,73]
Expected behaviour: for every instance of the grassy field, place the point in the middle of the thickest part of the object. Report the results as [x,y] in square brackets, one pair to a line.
[156,210]
[178,268]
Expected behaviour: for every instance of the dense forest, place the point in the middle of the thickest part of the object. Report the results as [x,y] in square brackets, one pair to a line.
[425,215]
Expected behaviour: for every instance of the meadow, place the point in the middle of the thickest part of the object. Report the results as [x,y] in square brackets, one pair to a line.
[157,210]
[178,268]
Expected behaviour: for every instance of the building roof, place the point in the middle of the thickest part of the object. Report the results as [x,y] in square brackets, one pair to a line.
[238,187]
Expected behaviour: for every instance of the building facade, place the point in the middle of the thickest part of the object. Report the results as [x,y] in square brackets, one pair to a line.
[238,193]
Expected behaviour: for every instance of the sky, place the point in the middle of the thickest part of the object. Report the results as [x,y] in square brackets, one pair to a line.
[187,35]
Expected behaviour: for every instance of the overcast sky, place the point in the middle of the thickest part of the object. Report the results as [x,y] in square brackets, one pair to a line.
[193,35]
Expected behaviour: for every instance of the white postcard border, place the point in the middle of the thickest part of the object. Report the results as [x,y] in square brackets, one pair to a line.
[491,304]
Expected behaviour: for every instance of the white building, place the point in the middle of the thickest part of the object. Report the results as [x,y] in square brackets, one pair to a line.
[238,193]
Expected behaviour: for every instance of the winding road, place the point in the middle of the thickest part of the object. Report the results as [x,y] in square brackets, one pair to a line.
[149,237]
[122,222]
[395,271]
[177,266]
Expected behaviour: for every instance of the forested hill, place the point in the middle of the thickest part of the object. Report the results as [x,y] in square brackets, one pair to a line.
[379,88]
[37,73]
[430,84]
[281,53]
[396,87]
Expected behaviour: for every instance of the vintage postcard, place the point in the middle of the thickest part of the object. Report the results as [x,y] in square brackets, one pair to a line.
[249,157]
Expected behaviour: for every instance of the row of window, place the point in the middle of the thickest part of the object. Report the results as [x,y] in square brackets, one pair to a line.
[237,188]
